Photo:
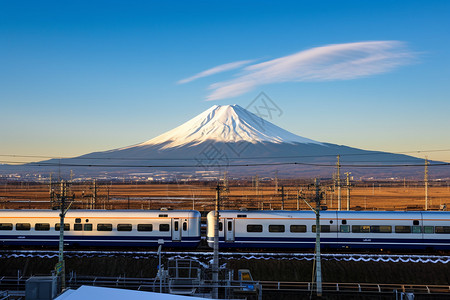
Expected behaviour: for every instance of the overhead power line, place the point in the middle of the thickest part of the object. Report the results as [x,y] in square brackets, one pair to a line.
[227,165]
[367,153]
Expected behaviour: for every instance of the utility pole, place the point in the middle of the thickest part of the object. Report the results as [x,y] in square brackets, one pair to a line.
[215,264]
[426,183]
[94,194]
[50,184]
[348,189]
[60,266]
[51,192]
[338,179]
[276,181]
[331,196]
[318,262]
[257,184]
[318,266]
[282,197]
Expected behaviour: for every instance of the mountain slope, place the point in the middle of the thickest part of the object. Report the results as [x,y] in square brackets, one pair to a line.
[227,124]
[230,138]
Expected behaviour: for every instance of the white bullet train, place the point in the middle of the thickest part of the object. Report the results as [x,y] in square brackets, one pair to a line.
[424,230]
[138,228]
[237,229]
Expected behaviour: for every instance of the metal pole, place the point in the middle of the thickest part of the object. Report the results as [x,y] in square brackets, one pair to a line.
[215,266]
[61,266]
[338,164]
[94,195]
[160,271]
[348,190]
[318,263]
[426,183]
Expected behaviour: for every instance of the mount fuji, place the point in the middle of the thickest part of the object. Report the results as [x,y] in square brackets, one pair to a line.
[233,139]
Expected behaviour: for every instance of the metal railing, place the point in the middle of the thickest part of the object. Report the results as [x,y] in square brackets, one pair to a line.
[17,285]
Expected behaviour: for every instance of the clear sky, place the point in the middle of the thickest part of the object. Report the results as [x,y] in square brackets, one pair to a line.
[84,76]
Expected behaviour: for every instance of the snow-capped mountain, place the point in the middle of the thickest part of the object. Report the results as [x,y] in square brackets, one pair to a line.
[230,138]
[225,124]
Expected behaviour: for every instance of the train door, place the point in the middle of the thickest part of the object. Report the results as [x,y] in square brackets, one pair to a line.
[229,230]
[176,229]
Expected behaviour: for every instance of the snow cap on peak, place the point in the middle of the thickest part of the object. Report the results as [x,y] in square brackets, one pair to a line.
[226,123]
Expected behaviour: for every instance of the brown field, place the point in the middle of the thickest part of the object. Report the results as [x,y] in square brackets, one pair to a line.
[200,196]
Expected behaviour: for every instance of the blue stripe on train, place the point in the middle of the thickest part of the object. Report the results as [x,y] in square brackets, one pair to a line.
[384,243]
[96,237]
[129,241]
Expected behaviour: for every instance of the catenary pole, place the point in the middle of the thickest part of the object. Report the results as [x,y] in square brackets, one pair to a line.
[215,265]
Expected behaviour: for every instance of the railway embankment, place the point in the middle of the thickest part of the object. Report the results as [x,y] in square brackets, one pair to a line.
[431,270]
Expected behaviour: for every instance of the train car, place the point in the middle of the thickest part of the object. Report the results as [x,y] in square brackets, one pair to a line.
[339,229]
[121,228]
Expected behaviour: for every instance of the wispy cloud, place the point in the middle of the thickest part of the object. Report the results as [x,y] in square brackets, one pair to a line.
[215,70]
[331,62]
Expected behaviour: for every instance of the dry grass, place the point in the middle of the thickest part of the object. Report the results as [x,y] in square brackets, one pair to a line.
[200,196]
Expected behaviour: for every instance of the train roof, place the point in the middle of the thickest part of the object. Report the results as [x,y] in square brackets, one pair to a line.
[340,214]
[97,213]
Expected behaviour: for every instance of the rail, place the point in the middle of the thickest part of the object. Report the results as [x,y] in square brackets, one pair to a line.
[16,285]
[355,287]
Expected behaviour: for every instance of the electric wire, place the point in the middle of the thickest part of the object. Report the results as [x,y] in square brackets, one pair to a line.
[368,153]
[46,164]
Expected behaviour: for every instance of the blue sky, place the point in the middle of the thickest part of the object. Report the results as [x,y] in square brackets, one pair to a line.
[84,76]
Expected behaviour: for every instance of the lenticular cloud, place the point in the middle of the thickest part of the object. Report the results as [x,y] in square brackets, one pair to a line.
[331,62]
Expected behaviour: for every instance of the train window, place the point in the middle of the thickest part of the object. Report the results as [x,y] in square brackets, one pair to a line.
[23,226]
[402,229]
[442,229]
[428,229]
[417,229]
[124,227]
[381,229]
[77,227]
[66,227]
[276,228]
[104,227]
[360,228]
[230,225]
[242,216]
[416,222]
[220,226]
[6,226]
[87,227]
[77,220]
[42,226]
[164,227]
[254,228]
[184,226]
[145,227]
[345,228]
[344,222]
[175,225]
[323,228]
[163,215]
[298,228]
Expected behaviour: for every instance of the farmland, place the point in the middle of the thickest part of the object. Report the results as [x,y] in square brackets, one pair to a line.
[288,195]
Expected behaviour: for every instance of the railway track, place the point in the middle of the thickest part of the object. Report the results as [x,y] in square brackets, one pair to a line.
[206,255]
[15,287]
